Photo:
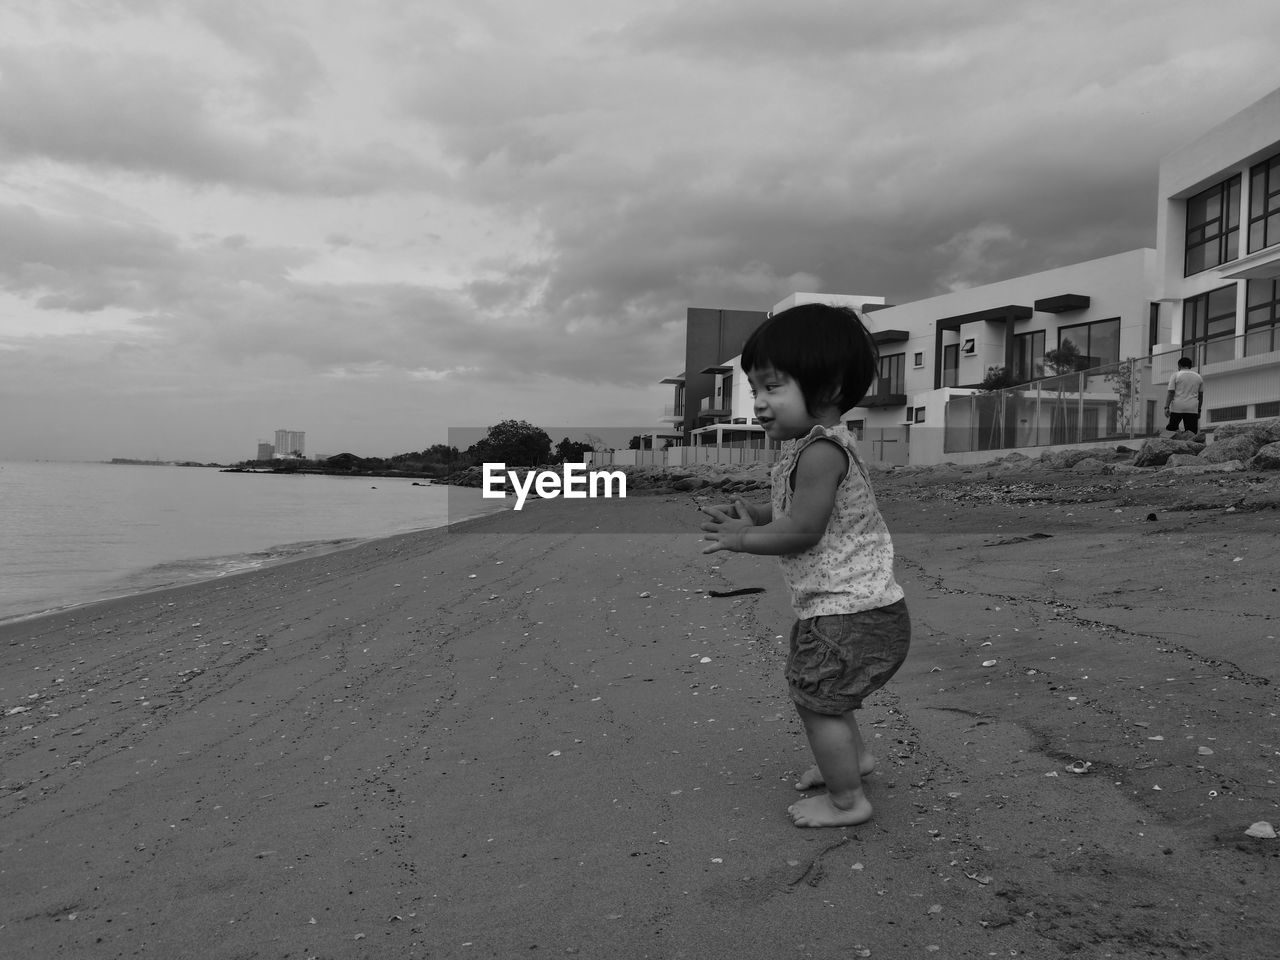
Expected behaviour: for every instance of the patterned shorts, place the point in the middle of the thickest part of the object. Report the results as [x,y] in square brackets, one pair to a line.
[836,661]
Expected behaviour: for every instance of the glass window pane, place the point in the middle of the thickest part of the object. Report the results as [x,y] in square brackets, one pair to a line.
[1256,241]
[1259,292]
[1273,229]
[1222,300]
[1190,318]
[1233,203]
[1195,259]
[1222,326]
[1233,246]
[1197,211]
[1259,341]
[1219,350]
[1104,342]
[1257,191]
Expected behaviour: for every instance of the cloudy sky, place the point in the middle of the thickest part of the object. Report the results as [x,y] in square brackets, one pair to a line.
[374,220]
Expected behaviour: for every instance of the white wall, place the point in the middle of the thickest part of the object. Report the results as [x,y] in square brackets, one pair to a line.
[853,300]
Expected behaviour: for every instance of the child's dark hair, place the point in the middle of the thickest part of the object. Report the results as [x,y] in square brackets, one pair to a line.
[825,349]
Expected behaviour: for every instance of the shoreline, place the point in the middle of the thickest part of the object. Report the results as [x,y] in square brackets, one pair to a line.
[209,568]
[525,734]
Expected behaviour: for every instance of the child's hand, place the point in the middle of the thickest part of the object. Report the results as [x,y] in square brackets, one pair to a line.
[726,527]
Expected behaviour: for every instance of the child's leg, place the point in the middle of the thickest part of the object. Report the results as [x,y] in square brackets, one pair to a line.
[866,762]
[836,743]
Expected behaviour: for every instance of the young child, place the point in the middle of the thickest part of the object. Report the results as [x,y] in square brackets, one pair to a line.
[806,366]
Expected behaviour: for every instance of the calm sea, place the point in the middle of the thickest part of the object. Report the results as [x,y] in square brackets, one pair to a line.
[72,533]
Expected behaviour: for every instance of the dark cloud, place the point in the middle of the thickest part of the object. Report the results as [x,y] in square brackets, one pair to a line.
[817,31]
[150,115]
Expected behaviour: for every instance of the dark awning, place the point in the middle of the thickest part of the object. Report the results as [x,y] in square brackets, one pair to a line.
[1062,303]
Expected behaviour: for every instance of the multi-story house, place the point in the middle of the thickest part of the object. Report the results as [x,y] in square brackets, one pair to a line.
[1218,235]
[1084,351]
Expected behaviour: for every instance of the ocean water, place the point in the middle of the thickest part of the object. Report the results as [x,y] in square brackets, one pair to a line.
[72,533]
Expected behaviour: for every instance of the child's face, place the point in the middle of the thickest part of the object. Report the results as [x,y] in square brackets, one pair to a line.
[779,405]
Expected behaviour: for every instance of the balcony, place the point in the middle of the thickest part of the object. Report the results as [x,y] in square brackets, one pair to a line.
[884,400]
[713,407]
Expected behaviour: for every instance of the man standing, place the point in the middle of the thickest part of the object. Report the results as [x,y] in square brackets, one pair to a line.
[1186,397]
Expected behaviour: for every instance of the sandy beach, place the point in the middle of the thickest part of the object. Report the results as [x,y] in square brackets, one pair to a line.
[528,739]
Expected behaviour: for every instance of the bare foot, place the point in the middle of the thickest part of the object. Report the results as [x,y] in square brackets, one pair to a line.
[819,811]
[813,776]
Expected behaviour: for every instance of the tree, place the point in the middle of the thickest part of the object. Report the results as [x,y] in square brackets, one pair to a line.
[1125,381]
[1065,359]
[442,452]
[997,378]
[1062,361]
[516,443]
[572,451]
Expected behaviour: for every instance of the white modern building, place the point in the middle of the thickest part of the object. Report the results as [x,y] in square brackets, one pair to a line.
[936,351]
[1218,233]
[1084,351]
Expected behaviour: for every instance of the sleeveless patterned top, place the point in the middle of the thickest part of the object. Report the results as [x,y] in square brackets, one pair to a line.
[851,568]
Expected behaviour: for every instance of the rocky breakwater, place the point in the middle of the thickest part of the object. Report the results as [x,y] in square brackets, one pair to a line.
[1254,445]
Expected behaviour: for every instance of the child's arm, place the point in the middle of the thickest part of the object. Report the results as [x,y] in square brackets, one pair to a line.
[821,467]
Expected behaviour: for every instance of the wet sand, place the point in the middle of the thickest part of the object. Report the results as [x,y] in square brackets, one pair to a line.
[544,742]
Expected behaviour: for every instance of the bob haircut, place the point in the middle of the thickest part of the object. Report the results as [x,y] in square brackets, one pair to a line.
[825,349]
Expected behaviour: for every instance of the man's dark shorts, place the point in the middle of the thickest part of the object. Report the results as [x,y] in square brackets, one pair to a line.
[836,661]
[1191,421]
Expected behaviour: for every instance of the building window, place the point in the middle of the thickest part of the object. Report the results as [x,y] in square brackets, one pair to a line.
[1209,325]
[919,417]
[1094,344]
[1262,317]
[1028,352]
[1264,204]
[1213,226]
[1223,414]
[918,360]
[893,375]
[951,365]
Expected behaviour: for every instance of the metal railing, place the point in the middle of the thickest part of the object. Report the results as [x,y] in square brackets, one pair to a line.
[1116,402]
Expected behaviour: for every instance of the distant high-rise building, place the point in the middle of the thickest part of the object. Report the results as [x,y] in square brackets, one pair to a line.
[291,443]
[266,450]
